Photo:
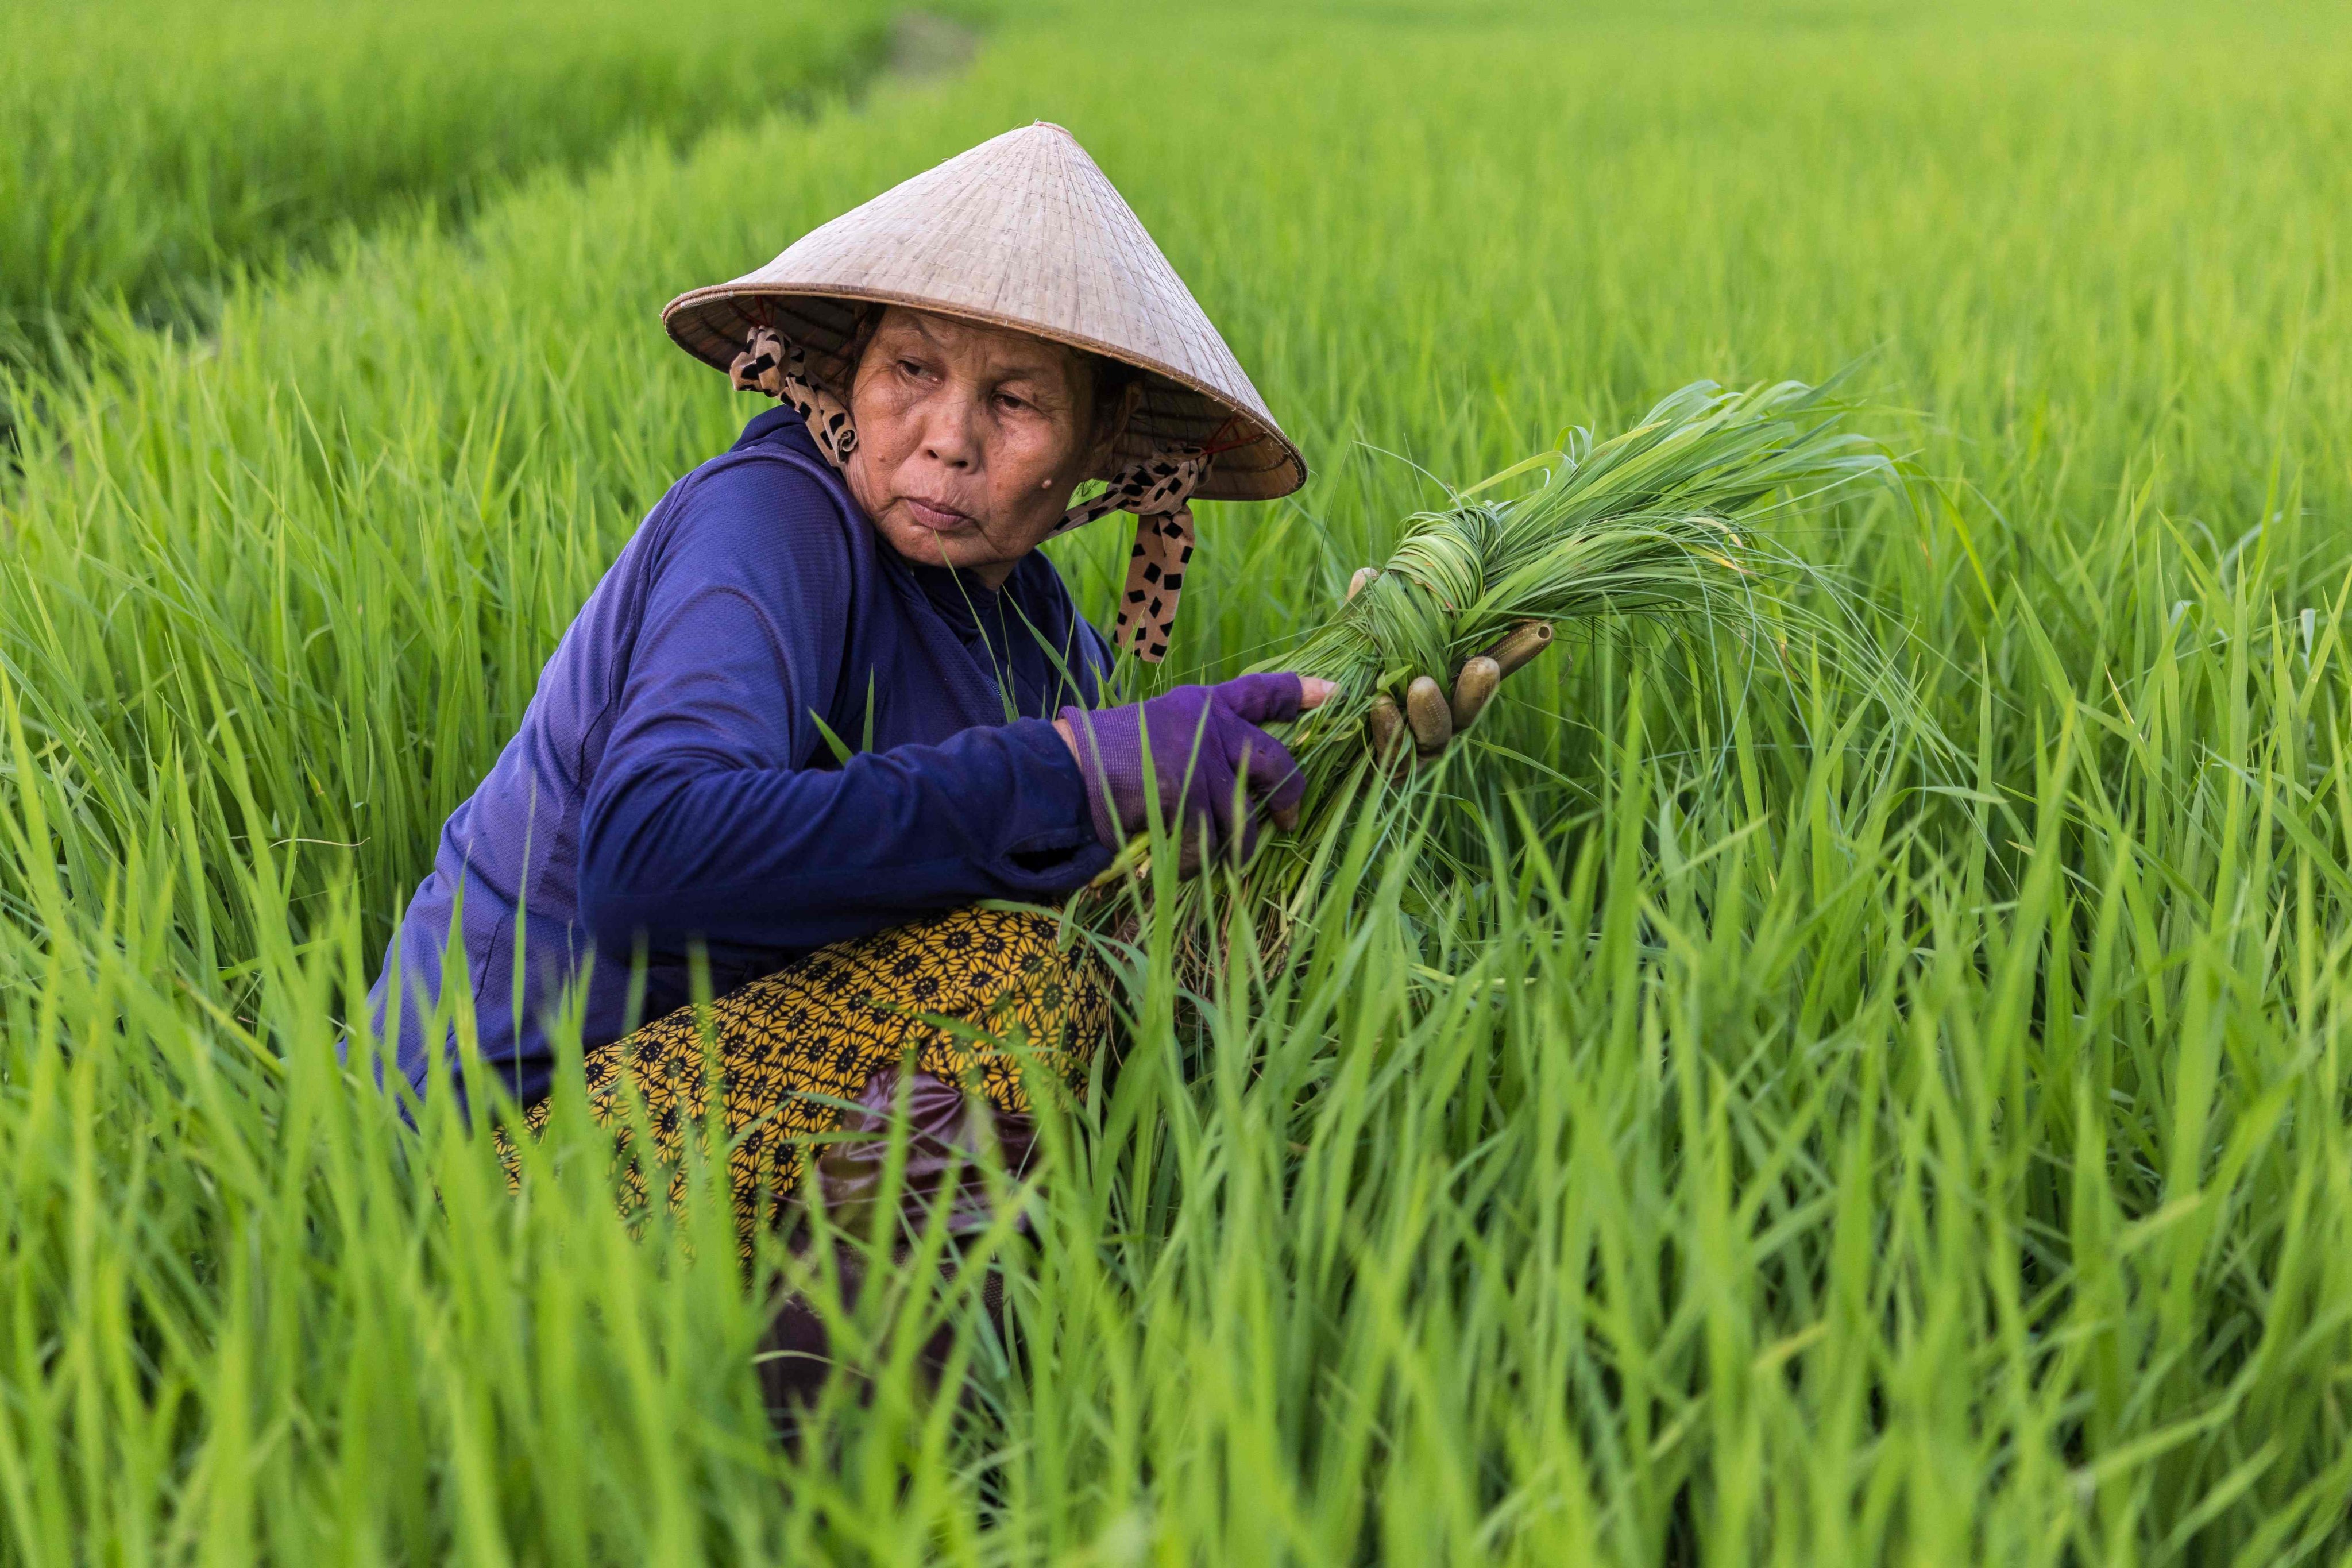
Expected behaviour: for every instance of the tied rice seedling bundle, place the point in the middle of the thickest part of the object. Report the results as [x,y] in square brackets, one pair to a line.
[1656,526]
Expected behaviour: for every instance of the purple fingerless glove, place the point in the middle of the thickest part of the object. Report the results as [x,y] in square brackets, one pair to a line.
[1194,743]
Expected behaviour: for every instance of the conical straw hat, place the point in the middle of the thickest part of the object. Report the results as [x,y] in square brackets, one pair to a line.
[1022,231]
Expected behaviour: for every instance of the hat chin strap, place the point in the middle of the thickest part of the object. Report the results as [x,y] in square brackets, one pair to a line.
[1156,488]
[780,369]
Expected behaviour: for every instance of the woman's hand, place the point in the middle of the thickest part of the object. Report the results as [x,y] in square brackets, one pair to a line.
[1432,717]
[1199,751]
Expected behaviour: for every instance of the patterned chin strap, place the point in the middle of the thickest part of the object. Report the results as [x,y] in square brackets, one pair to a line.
[1155,488]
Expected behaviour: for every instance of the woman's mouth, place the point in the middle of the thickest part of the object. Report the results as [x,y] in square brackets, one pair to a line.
[937,516]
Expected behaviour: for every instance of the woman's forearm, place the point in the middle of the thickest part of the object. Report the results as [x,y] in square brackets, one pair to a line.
[681,850]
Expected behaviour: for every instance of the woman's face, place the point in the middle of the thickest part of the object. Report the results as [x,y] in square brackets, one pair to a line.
[969,440]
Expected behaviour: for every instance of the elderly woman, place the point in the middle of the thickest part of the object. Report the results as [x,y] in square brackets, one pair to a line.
[830,700]
[830,697]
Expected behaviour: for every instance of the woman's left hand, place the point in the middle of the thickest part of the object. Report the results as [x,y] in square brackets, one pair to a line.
[1198,753]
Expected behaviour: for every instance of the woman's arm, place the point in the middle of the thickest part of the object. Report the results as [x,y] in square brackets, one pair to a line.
[699,824]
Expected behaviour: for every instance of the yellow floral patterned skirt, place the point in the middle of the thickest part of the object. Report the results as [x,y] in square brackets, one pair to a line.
[981,997]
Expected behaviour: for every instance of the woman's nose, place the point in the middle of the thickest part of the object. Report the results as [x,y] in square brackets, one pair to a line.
[950,438]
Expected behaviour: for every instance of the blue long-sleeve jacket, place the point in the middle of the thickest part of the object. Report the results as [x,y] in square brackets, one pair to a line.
[671,787]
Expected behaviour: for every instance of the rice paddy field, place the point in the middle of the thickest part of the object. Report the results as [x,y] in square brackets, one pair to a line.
[1773,1135]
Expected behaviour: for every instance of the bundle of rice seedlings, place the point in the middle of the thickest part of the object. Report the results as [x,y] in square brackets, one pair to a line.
[1658,524]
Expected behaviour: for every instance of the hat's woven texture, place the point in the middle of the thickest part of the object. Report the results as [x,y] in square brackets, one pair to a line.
[1022,231]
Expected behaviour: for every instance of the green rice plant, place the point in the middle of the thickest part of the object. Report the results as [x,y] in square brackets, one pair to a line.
[1663,524]
[1642,523]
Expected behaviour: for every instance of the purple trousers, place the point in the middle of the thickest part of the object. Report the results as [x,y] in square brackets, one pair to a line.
[947,1135]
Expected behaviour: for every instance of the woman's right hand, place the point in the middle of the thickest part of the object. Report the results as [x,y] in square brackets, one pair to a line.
[1410,738]
[1197,749]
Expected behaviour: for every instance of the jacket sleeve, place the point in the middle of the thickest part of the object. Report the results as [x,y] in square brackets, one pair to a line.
[701,822]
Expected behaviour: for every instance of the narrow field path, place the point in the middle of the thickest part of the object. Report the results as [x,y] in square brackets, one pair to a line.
[152,152]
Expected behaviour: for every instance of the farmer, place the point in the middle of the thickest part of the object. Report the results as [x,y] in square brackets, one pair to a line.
[830,698]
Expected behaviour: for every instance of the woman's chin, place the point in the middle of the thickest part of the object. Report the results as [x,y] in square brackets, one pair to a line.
[926,546]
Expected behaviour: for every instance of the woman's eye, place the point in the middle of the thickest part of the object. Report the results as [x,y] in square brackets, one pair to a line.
[1007,400]
[908,367]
